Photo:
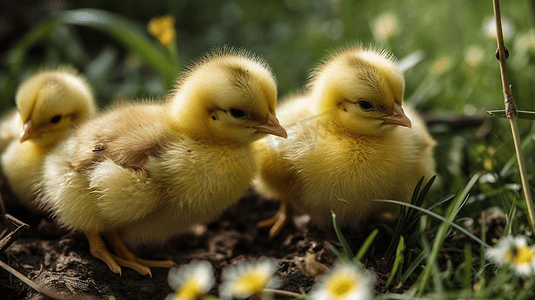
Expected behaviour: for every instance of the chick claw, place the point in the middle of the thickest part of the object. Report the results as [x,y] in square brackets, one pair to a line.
[122,251]
[278,221]
[124,257]
[98,250]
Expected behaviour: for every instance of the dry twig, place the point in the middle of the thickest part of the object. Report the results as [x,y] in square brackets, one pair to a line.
[510,111]
[6,241]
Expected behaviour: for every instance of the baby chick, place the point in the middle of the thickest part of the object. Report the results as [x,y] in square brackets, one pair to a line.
[49,104]
[142,173]
[350,142]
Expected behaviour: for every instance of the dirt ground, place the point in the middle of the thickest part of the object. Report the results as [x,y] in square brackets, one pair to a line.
[60,260]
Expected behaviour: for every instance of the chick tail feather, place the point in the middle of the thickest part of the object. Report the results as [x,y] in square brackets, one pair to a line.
[64,191]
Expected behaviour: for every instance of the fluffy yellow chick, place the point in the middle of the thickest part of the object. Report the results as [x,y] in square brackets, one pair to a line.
[350,142]
[49,104]
[142,173]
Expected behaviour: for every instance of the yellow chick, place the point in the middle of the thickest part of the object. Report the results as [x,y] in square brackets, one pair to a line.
[142,173]
[49,104]
[350,142]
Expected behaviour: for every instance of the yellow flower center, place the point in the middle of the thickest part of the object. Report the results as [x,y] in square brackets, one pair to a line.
[190,290]
[250,283]
[340,285]
[520,256]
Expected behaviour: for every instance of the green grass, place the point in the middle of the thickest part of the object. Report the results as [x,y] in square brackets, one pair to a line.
[458,76]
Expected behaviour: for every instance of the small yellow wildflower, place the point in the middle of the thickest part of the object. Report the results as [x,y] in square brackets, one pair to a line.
[346,281]
[441,65]
[514,251]
[474,55]
[163,29]
[488,164]
[191,281]
[245,279]
[385,26]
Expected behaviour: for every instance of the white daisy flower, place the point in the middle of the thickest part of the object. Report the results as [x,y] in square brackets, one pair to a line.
[346,281]
[245,279]
[191,281]
[489,27]
[514,251]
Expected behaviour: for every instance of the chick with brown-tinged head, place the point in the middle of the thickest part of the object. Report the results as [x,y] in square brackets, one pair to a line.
[142,173]
[49,104]
[351,141]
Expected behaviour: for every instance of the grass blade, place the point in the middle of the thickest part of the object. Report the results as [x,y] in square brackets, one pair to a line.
[510,217]
[18,52]
[411,60]
[425,190]
[366,245]
[40,32]
[482,249]
[475,238]
[398,262]
[404,218]
[468,263]
[415,264]
[413,214]
[347,250]
[442,232]
[439,203]
[129,34]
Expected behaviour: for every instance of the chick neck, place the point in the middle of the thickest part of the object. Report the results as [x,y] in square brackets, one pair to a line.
[38,147]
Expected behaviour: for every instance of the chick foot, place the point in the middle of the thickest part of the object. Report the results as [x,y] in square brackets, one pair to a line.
[98,250]
[279,220]
[122,251]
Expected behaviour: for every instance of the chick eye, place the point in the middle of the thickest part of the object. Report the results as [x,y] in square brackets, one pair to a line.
[55,119]
[365,105]
[237,113]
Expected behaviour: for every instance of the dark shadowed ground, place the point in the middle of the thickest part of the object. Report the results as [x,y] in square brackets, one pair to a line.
[61,260]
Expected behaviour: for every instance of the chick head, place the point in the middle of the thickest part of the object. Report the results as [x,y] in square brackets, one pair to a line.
[228,96]
[362,91]
[50,102]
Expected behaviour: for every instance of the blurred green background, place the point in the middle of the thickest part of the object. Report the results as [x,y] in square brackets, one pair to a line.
[451,42]
[457,72]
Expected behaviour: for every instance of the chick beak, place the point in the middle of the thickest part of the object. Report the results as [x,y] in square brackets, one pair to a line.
[28,131]
[272,126]
[397,117]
